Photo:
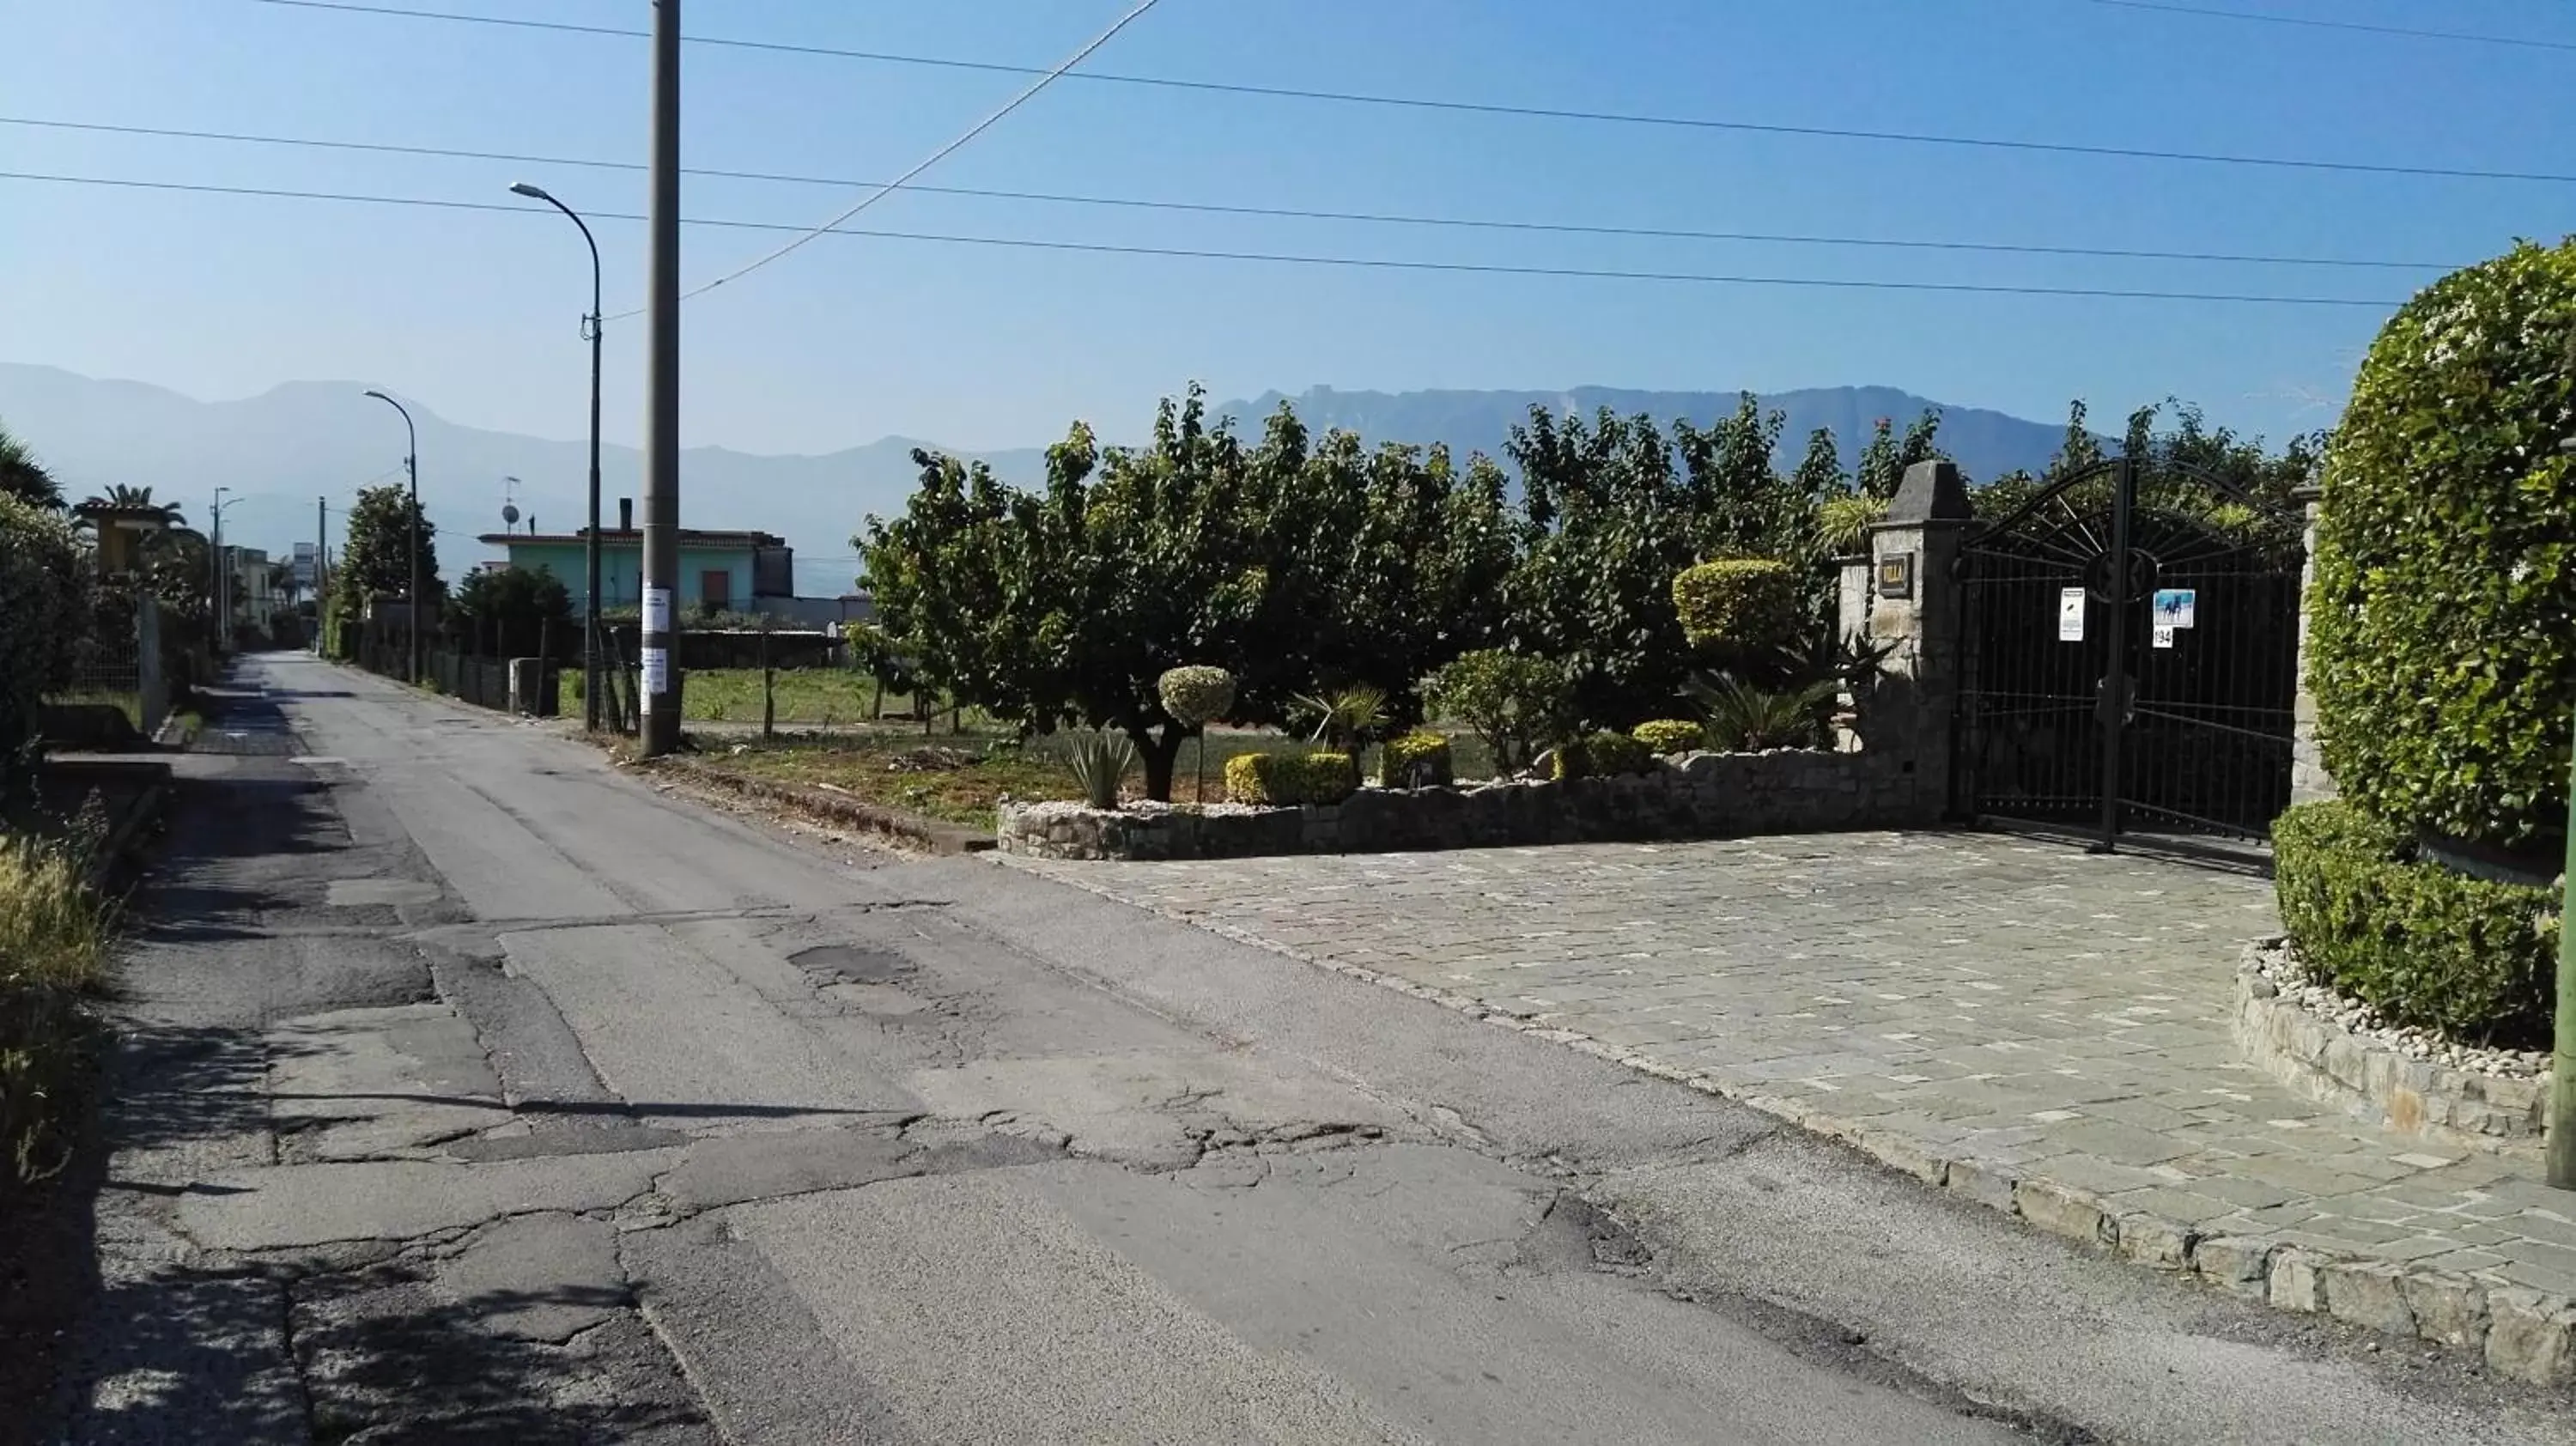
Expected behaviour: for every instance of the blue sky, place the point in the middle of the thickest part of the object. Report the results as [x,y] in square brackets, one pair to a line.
[850,340]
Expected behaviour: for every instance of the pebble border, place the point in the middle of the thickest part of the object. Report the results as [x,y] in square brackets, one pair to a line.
[2373,1081]
[2526,1335]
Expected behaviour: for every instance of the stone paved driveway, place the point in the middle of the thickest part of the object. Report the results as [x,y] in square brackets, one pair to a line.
[2043,1029]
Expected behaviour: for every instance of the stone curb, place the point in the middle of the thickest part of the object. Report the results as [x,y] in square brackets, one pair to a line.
[938,837]
[2369,1080]
[2525,1335]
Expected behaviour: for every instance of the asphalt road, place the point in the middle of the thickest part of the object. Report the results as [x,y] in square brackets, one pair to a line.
[478,1090]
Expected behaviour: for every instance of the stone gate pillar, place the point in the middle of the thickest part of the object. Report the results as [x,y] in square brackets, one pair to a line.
[1911,601]
[2309,780]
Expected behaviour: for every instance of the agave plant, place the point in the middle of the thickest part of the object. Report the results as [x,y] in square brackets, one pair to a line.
[1746,719]
[1099,761]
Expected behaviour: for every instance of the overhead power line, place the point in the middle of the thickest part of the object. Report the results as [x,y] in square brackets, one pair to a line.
[1427,103]
[934,158]
[1385,218]
[1276,257]
[2312,23]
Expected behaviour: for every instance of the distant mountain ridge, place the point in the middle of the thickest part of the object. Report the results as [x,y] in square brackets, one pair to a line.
[279,451]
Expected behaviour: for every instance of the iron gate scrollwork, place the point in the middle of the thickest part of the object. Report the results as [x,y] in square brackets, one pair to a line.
[2130,641]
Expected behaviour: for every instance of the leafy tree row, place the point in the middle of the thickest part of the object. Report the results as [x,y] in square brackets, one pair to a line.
[1304,564]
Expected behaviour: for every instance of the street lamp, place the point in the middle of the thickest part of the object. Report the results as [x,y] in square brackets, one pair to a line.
[411,469]
[590,551]
[221,632]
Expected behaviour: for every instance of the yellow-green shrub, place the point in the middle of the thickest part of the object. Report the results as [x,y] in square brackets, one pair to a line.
[1280,779]
[1600,755]
[1671,735]
[53,953]
[1421,752]
[1744,606]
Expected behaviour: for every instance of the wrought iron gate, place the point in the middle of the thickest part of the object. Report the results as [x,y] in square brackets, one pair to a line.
[2130,641]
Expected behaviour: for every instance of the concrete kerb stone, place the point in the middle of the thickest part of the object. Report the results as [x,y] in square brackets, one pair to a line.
[2526,1335]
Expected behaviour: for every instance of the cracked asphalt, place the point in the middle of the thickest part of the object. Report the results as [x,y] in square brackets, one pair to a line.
[471,1089]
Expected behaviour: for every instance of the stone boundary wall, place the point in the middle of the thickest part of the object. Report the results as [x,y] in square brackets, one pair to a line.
[2330,1064]
[1691,795]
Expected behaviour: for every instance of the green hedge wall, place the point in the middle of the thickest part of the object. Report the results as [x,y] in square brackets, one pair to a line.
[2470,957]
[2442,642]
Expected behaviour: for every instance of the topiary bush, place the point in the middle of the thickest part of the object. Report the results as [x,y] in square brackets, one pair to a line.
[1196,695]
[1412,759]
[1509,700]
[1741,606]
[1282,779]
[1600,755]
[2442,642]
[2470,957]
[1670,735]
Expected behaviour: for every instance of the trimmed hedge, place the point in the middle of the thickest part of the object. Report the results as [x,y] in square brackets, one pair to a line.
[1280,779]
[2470,957]
[1747,606]
[1671,735]
[2442,625]
[1600,755]
[1398,756]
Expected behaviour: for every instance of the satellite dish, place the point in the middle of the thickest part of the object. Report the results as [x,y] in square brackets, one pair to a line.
[509,514]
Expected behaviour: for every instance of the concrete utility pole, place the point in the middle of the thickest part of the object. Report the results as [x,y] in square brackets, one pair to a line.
[661,687]
[222,632]
[411,470]
[2562,1074]
[321,569]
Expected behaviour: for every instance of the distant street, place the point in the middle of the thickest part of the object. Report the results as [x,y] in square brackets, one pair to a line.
[478,1091]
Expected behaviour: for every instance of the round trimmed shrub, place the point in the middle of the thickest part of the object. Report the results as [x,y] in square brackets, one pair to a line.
[1421,756]
[2442,643]
[1601,755]
[1196,695]
[1740,606]
[1671,735]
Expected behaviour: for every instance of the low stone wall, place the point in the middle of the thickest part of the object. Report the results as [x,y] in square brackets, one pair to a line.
[2373,1081]
[1694,795]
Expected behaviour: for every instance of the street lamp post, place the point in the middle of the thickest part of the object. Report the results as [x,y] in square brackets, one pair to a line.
[411,470]
[221,632]
[590,549]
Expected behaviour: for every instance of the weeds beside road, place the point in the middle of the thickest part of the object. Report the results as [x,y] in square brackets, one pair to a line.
[54,935]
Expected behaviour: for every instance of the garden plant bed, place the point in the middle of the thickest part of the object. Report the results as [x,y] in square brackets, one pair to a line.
[1695,795]
[2338,1050]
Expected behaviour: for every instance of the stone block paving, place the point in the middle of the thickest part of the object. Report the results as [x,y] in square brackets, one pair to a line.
[2040,1028]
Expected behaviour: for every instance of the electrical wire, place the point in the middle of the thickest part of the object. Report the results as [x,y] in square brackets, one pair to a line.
[1275,257]
[934,158]
[2312,23]
[1387,218]
[1405,102]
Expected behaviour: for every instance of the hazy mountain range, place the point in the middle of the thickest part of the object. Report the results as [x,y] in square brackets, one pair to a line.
[279,451]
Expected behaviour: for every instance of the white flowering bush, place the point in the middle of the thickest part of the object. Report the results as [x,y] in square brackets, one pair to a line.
[44,615]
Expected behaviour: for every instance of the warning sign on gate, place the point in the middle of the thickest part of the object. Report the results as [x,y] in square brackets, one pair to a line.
[2070,615]
[2174,607]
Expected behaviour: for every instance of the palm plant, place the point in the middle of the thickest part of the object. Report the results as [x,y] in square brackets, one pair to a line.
[1746,719]
[1344,718]
[25,478]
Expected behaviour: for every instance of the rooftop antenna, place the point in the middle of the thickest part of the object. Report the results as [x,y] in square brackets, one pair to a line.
[510,509]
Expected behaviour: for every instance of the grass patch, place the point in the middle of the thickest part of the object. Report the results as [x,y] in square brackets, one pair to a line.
[128,703]
[810,696]
[54,938]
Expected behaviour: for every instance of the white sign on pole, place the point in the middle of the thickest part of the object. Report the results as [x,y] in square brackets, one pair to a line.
[2070,615]
[657,672]
[657,609]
